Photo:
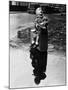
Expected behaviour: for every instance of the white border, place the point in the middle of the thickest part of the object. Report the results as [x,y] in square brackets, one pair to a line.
[46,1]
[4,40]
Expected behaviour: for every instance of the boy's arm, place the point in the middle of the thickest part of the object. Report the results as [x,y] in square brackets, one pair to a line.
[45,20]
[44,23]
[36,24]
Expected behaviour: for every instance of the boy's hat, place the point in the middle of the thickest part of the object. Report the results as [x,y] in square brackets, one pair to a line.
[39,11]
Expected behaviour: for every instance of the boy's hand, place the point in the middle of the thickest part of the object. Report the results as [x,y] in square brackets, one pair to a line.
[41,25]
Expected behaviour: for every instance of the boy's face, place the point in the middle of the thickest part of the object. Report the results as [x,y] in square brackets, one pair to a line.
[39,11]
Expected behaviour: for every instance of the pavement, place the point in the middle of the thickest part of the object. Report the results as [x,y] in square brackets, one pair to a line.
[21,69]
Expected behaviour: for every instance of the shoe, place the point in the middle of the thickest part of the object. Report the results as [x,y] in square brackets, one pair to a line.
[37,80]
[42,76]
[32,45]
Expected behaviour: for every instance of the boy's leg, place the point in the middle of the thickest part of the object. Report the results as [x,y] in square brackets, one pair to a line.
[33,42]
[37,38]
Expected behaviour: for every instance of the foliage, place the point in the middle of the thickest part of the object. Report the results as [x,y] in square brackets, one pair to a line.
[57,34]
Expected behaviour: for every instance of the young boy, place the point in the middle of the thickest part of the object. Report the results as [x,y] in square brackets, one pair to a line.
[40,24]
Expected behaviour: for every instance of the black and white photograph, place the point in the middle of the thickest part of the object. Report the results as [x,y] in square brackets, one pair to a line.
[37,44]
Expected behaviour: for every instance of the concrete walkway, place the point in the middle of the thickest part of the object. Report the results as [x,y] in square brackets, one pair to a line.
[21,69]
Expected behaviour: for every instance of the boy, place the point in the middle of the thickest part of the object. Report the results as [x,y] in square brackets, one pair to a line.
[40,23]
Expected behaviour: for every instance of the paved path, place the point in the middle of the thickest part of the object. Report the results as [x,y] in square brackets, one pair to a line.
[21,69]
